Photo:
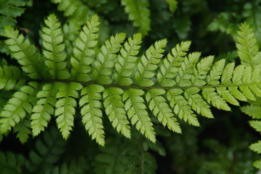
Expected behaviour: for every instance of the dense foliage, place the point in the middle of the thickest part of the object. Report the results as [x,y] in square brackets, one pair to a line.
[119,87]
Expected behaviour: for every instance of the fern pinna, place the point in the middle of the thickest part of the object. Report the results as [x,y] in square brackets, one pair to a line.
[114,81]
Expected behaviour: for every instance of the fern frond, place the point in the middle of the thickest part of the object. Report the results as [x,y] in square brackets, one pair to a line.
[138,12]
[126,61]
[10,162]
[23,129]
[65,107]
[44,107]
[10,9]
[11,78]
[159,107]
[136,110]
[127,156]
[17,107]
[54,48]
[148,64]
[27,55]
[253,18]
[247,47]
[91,112]
[76,10]
[48,151]
[170,65]
[181,106]
[83,52]
[105,59]
[114,108]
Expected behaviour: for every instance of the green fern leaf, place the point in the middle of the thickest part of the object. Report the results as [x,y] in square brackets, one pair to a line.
[201,72]
[15,109]
[48,151]
[114,108]
[11,78]
[83,51]
[215,73]
[247,47]
[181,106]
[126,61]
[105,59]
[246,79]
[148,164]
[10,9]
[159,107]
[65,107]
[197,103]
[227,95]
[186,69]
[148,63]
[213,98]
[256,125]
[138,12]
[54,48]
[44,107]
[256,147]
[170,65]
[252,14]
[23,129]
[11,163]
[136,110]
[253,111]
[173,4]
[92,113]
[74,167]
[26,54]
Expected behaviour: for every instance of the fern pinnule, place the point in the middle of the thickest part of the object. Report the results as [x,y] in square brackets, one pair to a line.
[114,108]
[169,67]
[23,129]
[126,60]
[9,10]
[91,110]
[200,73]
[137,113]
[65,107]
[44,108]
[247,47]
[26,54]
[17,107]
[149,63]
[138,12]
[11,162]
[159,107]
[197,103]
[181,107]
[104,63]
[83,52]
[48,151]
[186,69]
[11,78]
[54,48]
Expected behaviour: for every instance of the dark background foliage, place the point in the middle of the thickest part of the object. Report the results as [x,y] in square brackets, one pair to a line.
[219,146]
